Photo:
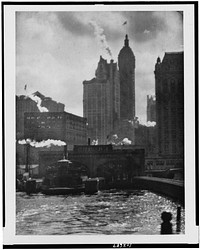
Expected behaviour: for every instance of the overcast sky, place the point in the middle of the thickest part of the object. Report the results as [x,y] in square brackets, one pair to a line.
[57,51]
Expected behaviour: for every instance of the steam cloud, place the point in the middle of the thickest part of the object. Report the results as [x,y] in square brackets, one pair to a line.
[101,38]
[38,100]
[147,124]
[126,141]
[116,142]
[48,143]
[95,142]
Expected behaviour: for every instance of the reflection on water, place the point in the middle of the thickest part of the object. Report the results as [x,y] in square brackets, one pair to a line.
[108,212]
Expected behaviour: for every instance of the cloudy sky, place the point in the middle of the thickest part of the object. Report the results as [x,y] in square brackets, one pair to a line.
[57,51]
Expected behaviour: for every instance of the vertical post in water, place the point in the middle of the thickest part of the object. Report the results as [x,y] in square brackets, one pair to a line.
[178,219]
[27,157]
[166,225]
[65,152]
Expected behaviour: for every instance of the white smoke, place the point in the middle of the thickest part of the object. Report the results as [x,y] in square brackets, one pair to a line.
[45,143]
[101,38]
[147,124]
[150,124]
[95,142]
[38,100]
[118,142]
[126,141]
[115,136]
[131,122]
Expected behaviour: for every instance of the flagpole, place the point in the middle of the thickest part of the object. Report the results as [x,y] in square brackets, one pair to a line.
[125,24]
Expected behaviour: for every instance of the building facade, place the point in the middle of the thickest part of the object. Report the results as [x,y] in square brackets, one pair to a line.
[26,104]
[169,79]
[146,137]
[109,98]
[62,126]
[101,101]
[112,163]
[126,63]
[151,108]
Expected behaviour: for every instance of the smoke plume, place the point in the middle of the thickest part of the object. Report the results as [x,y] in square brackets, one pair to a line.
[95,142]
[38,100]
[48,143]
[126,141]
[101,38]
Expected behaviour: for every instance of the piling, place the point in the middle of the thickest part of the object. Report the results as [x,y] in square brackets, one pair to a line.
[166,225]
[91,186]
[178,219]
[31,186]
[65,152]
[27,157]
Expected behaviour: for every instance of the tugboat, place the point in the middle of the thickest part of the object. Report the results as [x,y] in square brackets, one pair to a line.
[63,178]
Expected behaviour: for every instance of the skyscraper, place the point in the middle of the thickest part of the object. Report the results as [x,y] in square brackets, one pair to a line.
[126,62]
[101,101]
[151,108]
[169,79]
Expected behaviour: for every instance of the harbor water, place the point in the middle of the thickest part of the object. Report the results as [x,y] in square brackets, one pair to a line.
[108,212]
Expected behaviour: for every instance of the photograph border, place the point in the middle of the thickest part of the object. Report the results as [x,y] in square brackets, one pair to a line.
[196,89]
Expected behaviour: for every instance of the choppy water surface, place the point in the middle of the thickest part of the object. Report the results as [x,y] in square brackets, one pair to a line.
[116,212]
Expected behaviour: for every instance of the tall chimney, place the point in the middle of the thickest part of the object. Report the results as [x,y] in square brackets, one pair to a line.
[89,141]
[65,151]
[27,157]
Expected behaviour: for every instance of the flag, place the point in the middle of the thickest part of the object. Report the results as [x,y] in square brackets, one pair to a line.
[125,23]
[25,87]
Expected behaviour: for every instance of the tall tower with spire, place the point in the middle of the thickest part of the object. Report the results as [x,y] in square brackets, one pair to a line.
[126,63]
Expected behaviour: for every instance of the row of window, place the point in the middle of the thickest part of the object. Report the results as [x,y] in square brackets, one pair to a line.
[48,117]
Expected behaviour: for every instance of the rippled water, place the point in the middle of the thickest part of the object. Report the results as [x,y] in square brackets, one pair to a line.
[116,212]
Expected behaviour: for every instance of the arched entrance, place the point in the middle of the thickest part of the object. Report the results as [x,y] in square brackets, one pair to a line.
[113,171]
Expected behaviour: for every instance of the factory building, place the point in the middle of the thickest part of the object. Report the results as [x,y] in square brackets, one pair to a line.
[29,104]
[62,126]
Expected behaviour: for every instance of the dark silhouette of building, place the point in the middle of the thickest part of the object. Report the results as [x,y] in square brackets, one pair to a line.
[113,163]
[62,126]
[26,104]
[109,98]
[151,108]
[101,101]
[169,79]
[126,62]
[146,137]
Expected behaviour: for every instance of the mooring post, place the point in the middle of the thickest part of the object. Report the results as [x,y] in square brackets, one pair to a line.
[178,219]
[166,225]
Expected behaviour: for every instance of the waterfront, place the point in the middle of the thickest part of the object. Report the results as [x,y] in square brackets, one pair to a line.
[108,212]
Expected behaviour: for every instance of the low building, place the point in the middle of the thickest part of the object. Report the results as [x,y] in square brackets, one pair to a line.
[29,104]
[112,163]
[62,126]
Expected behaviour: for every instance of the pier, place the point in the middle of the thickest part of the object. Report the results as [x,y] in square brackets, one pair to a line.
[168,187]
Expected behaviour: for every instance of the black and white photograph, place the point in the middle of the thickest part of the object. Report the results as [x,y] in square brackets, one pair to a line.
[99,136]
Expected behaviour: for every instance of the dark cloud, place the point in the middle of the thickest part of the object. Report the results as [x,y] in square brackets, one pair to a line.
[70,22]
[144,25]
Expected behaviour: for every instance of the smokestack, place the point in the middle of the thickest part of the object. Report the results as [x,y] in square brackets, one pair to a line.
[27,156]
[88,141]
[65,151]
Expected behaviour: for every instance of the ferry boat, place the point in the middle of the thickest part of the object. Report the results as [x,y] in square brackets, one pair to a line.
[64,178]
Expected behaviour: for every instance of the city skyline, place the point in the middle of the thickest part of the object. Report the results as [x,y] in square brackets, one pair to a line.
[57,51]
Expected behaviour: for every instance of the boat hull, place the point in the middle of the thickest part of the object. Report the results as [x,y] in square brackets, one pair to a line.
[63,191]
